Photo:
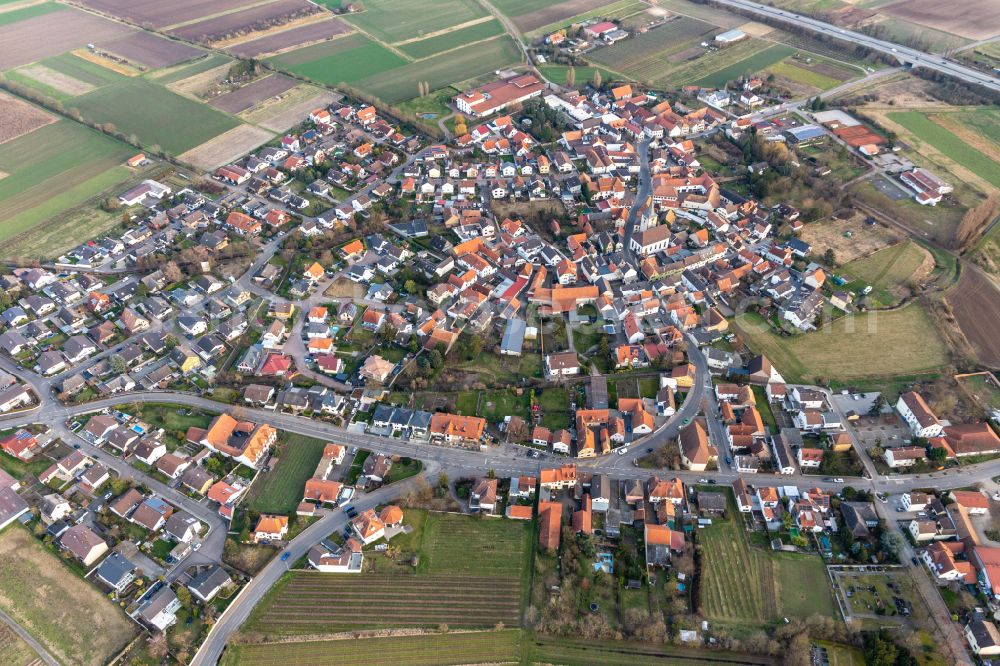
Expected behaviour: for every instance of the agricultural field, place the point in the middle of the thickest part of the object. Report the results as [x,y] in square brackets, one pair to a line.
[974,22]
[928,133]
[770,586]
[345,60]
[531,15]
[155,115]
[61,610]
[421,650]
[888,271]
[317,31]
[64,76]
[453,39]
[646,56]
[442,70]
[584,652]
[724,69]
[51,33]
[160,14]
[172,75]
[813,76]
[469,576]
[975,302]
[53,169]
[869,345]
[279,115]
[250,95]
[280,490]
[150,50]
[20,117]
[398,20]
[310,602]
[218,27]
[228,146]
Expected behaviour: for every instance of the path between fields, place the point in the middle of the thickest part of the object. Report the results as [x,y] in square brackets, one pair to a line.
[29,639]
[443,31]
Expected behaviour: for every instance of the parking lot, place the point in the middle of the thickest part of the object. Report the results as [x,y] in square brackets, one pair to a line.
[885,430]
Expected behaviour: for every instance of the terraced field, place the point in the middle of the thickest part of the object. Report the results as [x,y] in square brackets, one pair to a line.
[308,602]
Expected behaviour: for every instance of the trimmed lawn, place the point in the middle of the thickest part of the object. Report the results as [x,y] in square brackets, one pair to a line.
[874,344]
[60,609]
[948,144]
[554,402]
[157,116]
[557,74]
[280,490]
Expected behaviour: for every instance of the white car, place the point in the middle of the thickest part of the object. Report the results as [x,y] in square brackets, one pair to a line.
[622,451]
[838,480]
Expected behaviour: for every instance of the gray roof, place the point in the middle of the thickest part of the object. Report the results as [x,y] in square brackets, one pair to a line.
[208,581]
[513,336]
[114,568]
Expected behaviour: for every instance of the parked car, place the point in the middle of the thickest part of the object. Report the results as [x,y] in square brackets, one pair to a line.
[285,555]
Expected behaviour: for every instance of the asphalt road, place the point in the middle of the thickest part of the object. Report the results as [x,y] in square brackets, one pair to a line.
[334,521]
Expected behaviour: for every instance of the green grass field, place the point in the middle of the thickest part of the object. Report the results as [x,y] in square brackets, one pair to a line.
[770,585]
[871,345]
[754,63]
[398,20]
[345,60]
[985,121]
[924,129]
[451,40]
[557,74]
[442,70]
[885,270]
[808,77]
[56,606]
[53,169]
[157,116]
[24,13]
[424,650]
[280,490]
[453,543]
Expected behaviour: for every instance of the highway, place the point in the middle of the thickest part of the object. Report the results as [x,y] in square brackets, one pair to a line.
[904,54]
